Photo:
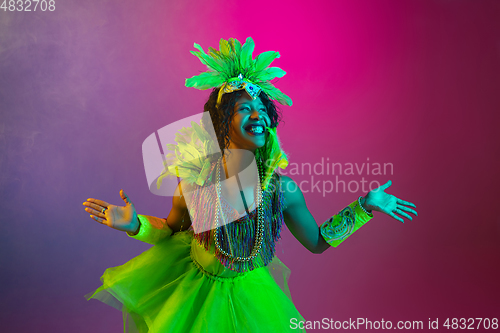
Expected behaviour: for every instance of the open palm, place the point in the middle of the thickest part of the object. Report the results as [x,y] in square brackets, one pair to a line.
[122,218]
[388,204]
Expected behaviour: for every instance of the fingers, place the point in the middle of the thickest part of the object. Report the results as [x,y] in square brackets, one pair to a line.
[386,185]
[400,212]
[402,202]
[94,209]
[383,187]
[125,197]
[406,209]
[99,219]
[95,212]
[98,202]
[394,216]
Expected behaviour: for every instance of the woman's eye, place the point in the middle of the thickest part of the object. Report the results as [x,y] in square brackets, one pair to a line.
[245,109]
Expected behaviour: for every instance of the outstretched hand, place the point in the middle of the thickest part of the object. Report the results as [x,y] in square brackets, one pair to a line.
[116,217]
[388,204]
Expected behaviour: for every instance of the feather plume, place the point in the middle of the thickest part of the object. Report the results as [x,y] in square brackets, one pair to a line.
[275,93]
[237,46]
[206,59]
[224,47]
[246,54]
[271,73]
[205,80]
[190,158]
[213,52]
[265,59]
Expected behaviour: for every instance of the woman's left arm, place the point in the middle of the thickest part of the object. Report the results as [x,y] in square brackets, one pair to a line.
[298,218]
[340,226]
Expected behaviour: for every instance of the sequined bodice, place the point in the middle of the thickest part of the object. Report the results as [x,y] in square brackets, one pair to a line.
[237,235]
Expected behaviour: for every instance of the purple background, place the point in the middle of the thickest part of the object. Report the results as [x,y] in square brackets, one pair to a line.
[412,83]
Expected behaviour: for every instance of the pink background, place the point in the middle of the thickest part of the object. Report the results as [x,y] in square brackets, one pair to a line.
[412,83]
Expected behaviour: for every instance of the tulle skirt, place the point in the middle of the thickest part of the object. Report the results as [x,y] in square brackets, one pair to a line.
[175,287]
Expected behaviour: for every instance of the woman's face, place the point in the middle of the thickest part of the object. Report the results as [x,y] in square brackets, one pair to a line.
[247,129]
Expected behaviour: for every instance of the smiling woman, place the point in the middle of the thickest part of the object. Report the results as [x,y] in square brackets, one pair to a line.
[213,266]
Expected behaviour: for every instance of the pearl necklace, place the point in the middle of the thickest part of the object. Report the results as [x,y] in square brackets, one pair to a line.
[260,223]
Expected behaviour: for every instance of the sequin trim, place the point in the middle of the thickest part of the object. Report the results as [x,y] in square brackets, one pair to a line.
[213,276]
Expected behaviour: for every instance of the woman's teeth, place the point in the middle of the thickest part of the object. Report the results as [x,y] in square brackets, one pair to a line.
[256,129]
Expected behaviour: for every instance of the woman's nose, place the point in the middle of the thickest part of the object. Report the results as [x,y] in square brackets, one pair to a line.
[255,114]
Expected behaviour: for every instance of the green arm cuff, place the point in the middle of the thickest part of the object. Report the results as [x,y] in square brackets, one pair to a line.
[152,229]
[339,227]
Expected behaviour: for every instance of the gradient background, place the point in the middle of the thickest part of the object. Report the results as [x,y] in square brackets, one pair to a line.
[413,83]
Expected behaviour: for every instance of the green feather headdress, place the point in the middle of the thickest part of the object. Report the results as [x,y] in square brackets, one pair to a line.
[232,68]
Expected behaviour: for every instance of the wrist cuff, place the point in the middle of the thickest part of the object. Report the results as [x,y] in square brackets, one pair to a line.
[151,229]
[339,227]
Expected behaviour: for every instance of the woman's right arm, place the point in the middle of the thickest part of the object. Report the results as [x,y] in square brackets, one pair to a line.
[152,229]
[149,229]
[178,219]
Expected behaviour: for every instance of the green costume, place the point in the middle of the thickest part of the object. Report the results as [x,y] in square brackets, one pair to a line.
[186,282]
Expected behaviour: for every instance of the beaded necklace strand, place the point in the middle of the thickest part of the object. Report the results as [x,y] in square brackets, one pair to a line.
[260,224]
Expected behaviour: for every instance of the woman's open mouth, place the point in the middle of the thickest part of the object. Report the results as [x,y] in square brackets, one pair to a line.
[255,130]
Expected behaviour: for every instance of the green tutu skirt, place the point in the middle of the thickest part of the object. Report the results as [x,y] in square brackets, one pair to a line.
[177,286]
